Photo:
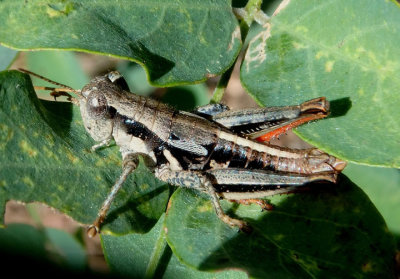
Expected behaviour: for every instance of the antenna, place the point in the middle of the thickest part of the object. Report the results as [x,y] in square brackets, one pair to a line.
[56,92]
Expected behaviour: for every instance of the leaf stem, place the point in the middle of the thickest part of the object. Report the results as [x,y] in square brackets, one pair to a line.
[34,214]
[252,12]
[248,14]
[156,255]
[221,86]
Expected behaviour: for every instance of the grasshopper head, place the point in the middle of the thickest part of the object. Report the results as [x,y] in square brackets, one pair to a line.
[96,111]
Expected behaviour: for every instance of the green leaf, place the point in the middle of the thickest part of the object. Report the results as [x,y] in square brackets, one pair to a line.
[135,255]
[135,76]
[185,97]
[330,232]
[22,239]
[58,66]
[69,249]
[177,41]
[46,245]
[382,185]
[344,50]
[7,56]
[45,156]
[28,251]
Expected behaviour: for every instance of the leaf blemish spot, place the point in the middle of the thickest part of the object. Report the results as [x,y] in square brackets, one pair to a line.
[99,163]
[367,267]
[144,186]
[49,140]
[27,148]
[329,66]
[257,53]
[28,181]
[6,134]
[72,158]
[49,153]
[235,36]
[205,207]
[320,54]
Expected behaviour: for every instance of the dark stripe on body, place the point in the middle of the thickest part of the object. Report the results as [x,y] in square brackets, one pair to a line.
[223,188]
[221,151]
[239,157]
[256,127]
[139,130]
[187,159]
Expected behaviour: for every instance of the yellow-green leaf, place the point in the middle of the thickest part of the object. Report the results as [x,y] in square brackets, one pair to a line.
[345,50]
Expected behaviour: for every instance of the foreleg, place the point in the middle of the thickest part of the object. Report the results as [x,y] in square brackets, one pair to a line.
[129,165]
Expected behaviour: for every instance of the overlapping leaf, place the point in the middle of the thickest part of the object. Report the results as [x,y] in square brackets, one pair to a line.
[346,51]
[134,255]
[63,66]
[331,232]
[382,185]
[176,41]
[6,57]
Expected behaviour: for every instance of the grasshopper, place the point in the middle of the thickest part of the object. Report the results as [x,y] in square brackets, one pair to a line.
[222,152]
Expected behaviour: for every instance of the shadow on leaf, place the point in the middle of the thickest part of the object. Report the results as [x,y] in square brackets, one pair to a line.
[136,217]
[334,231]
[180,98]
[157,66]
[339,107]
[59,116]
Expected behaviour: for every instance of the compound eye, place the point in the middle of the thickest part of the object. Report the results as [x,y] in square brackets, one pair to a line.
[117,79]
[96,104]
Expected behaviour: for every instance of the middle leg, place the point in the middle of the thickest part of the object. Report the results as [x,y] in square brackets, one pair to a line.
[200,181]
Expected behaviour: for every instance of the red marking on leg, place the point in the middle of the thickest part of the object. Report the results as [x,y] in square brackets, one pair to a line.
[281,130]
[265,205]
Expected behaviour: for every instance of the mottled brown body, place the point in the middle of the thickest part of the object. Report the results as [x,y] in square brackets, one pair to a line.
[211,150]
[196,143]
